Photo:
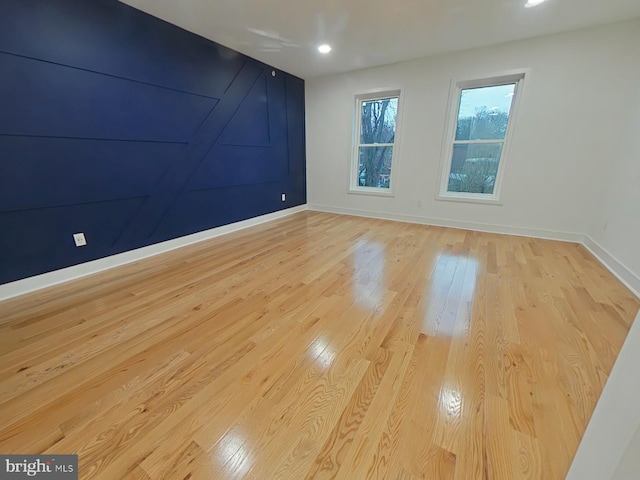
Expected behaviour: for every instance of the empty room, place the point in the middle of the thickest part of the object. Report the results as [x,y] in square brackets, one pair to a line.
[311,240]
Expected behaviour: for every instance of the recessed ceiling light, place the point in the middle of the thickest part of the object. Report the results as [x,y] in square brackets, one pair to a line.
[533,3]
[324,48]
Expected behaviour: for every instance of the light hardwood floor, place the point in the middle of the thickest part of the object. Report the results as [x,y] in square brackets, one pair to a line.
[318,346]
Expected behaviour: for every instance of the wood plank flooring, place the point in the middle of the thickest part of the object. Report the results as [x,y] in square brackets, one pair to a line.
[318,346]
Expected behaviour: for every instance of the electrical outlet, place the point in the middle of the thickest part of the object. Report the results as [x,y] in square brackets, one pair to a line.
[79,239]
[284,197]
[419,203]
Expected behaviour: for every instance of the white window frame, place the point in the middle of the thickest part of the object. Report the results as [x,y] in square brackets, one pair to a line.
[503,78]
[353,186]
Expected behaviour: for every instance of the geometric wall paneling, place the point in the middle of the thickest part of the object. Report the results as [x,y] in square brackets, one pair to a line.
[253,146]
[133,131]
[250,122]
[55,100]
[33,169]
[229,165]
[170,186]
[295,100]
[108,37]
[40,239]
[225,204]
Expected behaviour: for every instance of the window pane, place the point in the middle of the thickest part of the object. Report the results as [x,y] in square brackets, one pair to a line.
[374,166]
[378,120]
[474,167]
[483,113]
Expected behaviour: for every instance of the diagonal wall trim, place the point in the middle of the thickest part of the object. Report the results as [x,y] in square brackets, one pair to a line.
[119,77]
[94,139]
[174,180]
[56,277]
[136,112]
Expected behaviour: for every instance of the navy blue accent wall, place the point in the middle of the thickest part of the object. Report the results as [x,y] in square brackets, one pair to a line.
[133,131]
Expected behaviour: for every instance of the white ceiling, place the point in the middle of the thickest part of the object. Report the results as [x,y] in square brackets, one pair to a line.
[365,33]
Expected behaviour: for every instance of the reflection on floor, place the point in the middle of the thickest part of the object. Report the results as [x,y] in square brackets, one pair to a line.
[451,293]
[318,346]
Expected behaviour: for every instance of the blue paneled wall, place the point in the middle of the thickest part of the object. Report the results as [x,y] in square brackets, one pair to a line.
[133,131]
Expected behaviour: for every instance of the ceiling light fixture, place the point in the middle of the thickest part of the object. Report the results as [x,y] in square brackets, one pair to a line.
[533,3]
[324,48]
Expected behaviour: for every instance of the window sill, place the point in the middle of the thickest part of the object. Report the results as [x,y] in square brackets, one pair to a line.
[378,192]
[468,199]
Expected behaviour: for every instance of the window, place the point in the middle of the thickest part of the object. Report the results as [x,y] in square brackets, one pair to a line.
[477,138]
[375,140]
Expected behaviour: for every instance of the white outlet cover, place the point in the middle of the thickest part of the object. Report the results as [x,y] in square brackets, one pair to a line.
[80,240]
[284,197]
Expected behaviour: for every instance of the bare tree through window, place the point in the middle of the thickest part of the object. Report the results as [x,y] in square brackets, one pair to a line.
[376,137]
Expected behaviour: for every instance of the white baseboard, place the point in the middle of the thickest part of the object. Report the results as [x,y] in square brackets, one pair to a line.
[439,222]
[615,266]
[38,282]
[20,287]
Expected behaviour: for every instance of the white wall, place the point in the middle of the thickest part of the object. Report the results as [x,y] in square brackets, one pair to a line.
[629,467]
[574,168]
[610,447]
[573,110]
[615,420]
[616,224]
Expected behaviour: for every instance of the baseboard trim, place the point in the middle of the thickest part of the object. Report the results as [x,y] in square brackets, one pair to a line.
[439,222]
[615,266]
[20,287]
[30,284]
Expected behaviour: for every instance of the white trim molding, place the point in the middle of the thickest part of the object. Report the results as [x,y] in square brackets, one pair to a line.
[20,287]
[439,222]
[515,77]
[615,266]
[353,186]
[30,284]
